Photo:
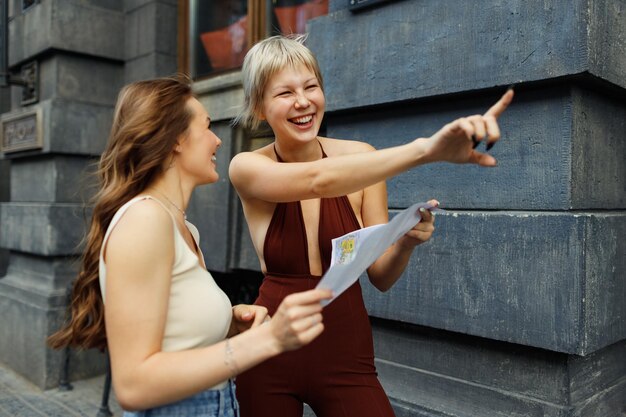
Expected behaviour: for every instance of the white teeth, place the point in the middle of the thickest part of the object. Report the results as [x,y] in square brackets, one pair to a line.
[303,119]
[213,158]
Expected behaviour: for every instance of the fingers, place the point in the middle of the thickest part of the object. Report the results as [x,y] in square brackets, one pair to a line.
[308,297]
[426,215]
[298,319]
[311,333]
[497,109]
[484,127]
[243,312]
[482,159]
[424,228]
[306,322]
[493,131]
[260,316]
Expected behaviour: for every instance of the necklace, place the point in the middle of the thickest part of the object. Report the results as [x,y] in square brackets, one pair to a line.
[172,203]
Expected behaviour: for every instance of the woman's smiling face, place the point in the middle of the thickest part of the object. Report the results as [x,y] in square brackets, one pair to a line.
[293,104]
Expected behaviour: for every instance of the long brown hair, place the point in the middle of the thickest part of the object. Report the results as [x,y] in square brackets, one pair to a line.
[150,116]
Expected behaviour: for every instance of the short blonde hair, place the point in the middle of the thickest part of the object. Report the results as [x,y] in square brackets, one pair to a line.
[264,60]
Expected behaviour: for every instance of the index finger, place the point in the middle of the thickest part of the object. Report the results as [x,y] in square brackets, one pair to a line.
[426,215]
[497,109]
[259,318]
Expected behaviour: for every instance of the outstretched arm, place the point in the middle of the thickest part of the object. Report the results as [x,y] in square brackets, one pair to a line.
[256,176]
[389,267]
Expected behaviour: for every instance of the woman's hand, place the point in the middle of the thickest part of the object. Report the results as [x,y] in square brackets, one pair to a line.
[422,231]
[456,141]
[298,319]
[245,317]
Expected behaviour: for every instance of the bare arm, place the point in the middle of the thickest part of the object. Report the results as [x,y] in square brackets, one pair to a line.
[256,176]
[137,293]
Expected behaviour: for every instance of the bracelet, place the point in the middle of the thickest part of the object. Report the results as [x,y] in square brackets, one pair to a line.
[229,359]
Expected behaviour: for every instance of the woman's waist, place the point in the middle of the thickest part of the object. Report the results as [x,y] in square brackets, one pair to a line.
[275,288]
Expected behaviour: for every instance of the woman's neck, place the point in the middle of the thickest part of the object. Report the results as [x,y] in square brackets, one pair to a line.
[172,190]
[299,152]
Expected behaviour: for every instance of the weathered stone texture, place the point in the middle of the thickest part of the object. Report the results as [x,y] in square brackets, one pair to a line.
[77,78]
[529,278]
[561,148]
[413,49]
[42,228]
[489,378]
[23,346]
[67,25]
[67,179]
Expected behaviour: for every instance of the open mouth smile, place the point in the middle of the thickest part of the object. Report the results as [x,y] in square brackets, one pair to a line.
[302,121]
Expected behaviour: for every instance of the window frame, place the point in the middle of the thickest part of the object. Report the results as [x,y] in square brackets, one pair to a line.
[257,30]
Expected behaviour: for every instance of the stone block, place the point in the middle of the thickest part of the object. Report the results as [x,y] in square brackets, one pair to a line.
[150,29]
[562,148]
[221,95]
[598,168]
[419,368]
[335,5]
[42,228]
[150,66]
[607,35]
[410,49]
[69,127]
[76,128]
[130,5]
[550,280]
[48,275]
[5,184]
[23,346]
[68,179]
[5,179]
[78,78]
[108,4]
[67,25]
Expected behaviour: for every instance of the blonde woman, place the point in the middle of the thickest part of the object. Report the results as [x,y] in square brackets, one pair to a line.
[300,192]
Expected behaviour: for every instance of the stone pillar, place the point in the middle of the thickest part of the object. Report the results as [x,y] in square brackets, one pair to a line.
[77,47]
[5,179]
[516,306]
[151,36]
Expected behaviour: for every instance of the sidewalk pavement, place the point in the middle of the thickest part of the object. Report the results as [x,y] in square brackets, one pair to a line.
[20,398]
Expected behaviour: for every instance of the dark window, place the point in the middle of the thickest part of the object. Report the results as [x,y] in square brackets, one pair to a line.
[218,33]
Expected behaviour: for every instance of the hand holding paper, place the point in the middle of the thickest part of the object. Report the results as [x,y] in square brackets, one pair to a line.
[354,252]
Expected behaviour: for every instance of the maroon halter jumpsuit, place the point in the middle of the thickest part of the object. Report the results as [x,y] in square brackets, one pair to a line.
[335,374]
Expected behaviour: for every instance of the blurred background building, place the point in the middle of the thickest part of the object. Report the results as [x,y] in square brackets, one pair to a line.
[517,307]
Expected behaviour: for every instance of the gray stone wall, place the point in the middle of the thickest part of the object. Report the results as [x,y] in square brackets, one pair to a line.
[516,302]
[5,180]
[86,51]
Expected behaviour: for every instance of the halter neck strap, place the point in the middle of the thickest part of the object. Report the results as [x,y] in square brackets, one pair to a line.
[281,159]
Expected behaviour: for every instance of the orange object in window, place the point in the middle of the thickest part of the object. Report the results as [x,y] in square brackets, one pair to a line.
[227,47]
[292,19]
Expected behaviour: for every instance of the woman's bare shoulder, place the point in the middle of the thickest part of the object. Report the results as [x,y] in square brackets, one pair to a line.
[145,223]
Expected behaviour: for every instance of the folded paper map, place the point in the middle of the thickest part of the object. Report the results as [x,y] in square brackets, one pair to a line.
[354,252]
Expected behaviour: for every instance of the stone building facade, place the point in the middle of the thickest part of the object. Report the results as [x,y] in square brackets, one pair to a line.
[517,305]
